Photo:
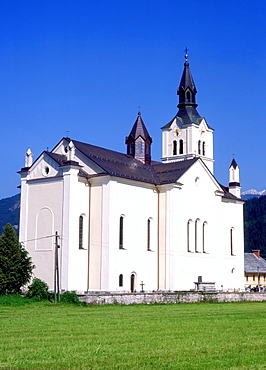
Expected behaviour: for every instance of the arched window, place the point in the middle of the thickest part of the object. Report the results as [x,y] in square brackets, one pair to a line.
[203,148]
[204,226]
[132,283]
[199,147]
[196,235]
[81,232]
[181,146]
[139,150]
[121,280]
[44,227]
[149,235]
[232,241]
[174,147]
[189,227]
[188,96]
[121,232]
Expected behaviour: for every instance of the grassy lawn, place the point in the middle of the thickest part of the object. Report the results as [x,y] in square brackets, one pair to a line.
[42,335]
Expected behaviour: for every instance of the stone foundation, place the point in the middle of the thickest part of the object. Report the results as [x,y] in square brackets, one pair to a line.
[171,297]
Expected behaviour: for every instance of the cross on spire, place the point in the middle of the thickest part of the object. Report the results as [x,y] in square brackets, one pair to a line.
[186,55]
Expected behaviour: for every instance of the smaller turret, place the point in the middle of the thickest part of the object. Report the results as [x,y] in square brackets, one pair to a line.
[234,179]
[28,158]
[139,142]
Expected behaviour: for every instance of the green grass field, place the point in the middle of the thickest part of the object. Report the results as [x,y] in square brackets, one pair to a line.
[42,335]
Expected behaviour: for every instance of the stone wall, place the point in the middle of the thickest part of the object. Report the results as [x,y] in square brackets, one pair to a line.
[171,297]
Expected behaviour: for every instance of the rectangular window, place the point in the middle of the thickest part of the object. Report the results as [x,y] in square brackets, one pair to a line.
[121,233]
[231,242]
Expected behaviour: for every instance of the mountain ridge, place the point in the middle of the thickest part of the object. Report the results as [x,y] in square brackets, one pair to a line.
[9,211]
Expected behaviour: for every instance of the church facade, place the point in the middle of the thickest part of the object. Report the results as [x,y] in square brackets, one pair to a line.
[126,223]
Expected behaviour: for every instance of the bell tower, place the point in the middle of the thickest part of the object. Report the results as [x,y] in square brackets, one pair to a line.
[187,135]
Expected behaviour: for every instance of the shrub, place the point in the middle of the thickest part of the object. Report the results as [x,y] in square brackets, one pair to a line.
[39,290]
[69,297]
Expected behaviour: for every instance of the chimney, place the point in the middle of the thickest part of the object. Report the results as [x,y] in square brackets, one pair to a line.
[256,252]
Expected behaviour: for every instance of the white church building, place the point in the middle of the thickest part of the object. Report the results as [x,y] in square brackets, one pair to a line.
[127,223]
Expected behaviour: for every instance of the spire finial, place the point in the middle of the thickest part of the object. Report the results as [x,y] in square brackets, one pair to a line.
[139,113]
[186,55]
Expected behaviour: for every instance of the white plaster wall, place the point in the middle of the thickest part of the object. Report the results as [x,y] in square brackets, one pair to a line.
[74,261]
[137,202]
[197,200]
[42,195]
[95,234]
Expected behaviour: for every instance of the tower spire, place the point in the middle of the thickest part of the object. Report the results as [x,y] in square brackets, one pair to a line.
[187,90]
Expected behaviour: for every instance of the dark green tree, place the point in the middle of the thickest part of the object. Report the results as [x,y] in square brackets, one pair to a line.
[15,264]
[255,225]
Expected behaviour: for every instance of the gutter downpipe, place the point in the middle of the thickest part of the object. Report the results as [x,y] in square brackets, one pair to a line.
[89,229]
[158,236]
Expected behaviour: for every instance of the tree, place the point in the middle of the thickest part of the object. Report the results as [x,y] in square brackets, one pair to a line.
[15,264]
[255,225]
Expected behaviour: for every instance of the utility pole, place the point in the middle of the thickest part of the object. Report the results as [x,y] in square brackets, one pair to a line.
[56,270]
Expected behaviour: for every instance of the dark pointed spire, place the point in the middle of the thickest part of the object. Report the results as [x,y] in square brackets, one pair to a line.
[187,97]
[187,90]
[139,141]
[233,164]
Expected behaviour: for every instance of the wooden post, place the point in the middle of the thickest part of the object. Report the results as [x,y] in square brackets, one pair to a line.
[56,271]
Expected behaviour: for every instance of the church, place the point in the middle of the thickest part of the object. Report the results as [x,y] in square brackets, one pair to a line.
[121,222]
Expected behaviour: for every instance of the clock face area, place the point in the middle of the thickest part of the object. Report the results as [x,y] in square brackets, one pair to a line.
[202,131]
[176,131]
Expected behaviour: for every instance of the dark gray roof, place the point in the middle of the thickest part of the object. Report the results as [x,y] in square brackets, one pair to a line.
[186,116]
[118,164]
[122,165]
[168,173]
[58,158]
[254,264]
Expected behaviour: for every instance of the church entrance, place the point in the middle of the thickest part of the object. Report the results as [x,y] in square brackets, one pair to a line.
[132,283]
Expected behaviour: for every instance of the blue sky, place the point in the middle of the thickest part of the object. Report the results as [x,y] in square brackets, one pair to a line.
[84,67]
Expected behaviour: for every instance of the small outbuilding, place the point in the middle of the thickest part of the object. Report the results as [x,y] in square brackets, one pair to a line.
[255,270]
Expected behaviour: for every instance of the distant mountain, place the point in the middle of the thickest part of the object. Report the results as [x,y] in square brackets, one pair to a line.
[9,211]
[252,193]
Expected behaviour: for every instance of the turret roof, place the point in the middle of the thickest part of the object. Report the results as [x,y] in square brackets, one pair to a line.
[139,129]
